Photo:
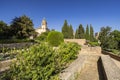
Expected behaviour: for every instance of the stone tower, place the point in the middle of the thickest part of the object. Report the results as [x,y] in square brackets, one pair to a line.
[44,24]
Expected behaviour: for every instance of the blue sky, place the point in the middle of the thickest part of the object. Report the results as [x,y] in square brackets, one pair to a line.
[99,13]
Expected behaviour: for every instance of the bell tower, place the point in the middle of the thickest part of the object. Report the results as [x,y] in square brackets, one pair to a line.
[44,24]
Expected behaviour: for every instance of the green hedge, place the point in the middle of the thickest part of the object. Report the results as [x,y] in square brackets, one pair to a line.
[55,38]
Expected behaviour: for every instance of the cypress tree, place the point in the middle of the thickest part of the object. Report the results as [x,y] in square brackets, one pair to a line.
[71,32]
[76,34]
[91,33]
[81,32]
[65,29]
[87,35]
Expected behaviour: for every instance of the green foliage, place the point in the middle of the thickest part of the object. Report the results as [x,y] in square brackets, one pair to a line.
[22,27]
[71,36]
[87,35]
[55,38]
[117,52]
[67,30]
[104,37]
[93,44]
[91,33]
[115,36]
[42,62]
[110,40]
[4,30]
[42,37]
[80,33]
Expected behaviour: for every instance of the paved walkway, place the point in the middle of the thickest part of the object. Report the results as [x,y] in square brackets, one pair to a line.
[92,70]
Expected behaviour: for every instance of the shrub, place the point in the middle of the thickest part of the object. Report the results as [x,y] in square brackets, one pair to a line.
[67,52]
[43,36]
[42,62]
[55,38]
[93,44]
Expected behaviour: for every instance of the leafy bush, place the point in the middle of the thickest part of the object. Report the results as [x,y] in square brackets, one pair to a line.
[55,38]
[42,62]
[93,44]
[43,36]
[67,52]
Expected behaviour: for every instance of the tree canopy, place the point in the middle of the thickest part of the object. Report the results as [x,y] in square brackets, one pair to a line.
[80,33]
[22,27]
[67,30]
[87,33]
[91,33]
[4,30]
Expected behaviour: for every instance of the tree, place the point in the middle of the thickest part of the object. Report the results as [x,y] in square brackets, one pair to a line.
[115,36]
[22,27]
[71,32]
[80,33]
[4,30]
[76,34]
[87,34]
[104,36]
[65,29]
[91,33]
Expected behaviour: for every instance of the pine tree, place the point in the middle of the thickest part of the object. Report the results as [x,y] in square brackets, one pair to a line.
[65,29]
[87,35]
[91,33]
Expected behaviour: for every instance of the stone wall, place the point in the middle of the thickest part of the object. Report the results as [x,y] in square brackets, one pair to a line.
[5,65]
[79,41]
[90,50]
[16,45]
[111,70]
[111,55]
[70,73]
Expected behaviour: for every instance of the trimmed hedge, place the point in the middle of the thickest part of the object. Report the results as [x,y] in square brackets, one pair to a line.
[55,38]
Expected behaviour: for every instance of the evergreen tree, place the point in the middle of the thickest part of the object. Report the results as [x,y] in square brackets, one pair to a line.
[80,34]
[91,33]
[104,36]
[4,30]
[71,32]
[87,35]
[65,29]
[22,27]
[76,34]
